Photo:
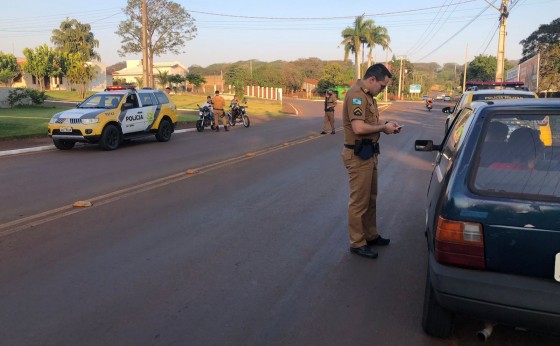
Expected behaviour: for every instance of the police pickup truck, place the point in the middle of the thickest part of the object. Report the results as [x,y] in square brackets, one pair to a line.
[114,115]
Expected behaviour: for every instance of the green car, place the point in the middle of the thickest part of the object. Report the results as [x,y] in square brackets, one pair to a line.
[493,218]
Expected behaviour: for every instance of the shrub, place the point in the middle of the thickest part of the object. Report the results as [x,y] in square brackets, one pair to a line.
[18,95]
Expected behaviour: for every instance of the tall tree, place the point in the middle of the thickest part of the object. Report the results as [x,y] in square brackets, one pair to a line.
[364,32]
[170,26]
[541,39]
[483,68]
[76,38]
[80,72]
[40,63]
[9,68]
[546,41]
[377,36]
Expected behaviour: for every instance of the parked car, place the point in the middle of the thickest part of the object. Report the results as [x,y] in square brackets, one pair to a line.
[116,114]
[492,218]
[424,97]
[475,93]
[447,98]
[439,97]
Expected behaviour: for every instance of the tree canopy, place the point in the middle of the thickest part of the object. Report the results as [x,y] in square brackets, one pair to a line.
[170,26]
[76,38]
[541,39]
[9,68]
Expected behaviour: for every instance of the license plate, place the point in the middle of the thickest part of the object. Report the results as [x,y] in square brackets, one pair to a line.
[557,268]
[65,129]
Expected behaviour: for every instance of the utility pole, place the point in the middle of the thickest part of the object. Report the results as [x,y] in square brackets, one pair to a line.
[465,71]
[400,79]
[145,63]
[502,39]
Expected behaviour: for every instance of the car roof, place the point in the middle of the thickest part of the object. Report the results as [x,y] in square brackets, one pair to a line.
[500,91]
[518,104]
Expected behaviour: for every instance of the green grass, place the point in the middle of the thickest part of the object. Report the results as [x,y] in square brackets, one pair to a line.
[32,121]
[26,121]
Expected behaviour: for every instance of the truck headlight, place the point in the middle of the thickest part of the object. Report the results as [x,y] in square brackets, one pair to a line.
[90,121]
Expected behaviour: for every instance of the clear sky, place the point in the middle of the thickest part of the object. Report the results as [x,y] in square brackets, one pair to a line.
[228,31]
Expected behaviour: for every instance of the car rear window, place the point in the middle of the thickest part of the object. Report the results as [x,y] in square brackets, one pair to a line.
[520,156]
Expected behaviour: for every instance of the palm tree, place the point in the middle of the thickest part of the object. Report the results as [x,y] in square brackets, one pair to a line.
[364,32]
[163,78]
[352,40]
[377,36]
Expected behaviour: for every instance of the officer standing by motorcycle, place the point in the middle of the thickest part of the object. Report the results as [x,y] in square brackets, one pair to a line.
[330,103]
[219,104]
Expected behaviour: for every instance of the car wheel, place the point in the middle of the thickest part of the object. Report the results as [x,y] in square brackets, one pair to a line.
[164,131]
[246,121]
[436,321]
[63,144]
[110,138]
[199,126]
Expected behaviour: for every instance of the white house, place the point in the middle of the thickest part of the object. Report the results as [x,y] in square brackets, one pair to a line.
[134,71]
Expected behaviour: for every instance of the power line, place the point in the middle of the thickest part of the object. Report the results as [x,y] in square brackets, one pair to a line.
[324,18]
[452,36]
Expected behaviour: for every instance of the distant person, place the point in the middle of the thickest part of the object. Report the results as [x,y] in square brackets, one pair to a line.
[209,105]
[219,105]
[330,103]
[168,90]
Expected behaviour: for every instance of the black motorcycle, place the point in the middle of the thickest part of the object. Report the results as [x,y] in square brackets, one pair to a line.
[206,118]
[238,114]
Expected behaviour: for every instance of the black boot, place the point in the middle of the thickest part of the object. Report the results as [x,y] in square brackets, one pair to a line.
[217,128]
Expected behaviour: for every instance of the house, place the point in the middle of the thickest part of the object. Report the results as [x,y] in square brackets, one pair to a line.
[26,80]
[133,72]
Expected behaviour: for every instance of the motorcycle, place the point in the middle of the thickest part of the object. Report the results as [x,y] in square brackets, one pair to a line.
[206,118]
[238,114]
[429,106]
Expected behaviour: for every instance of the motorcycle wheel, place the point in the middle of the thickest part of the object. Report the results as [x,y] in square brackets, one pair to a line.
[199,126]
[246,121]
[229,119]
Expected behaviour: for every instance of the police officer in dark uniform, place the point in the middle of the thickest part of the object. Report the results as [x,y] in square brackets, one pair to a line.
[362,129]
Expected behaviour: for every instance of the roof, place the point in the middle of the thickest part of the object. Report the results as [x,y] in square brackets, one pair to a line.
[138,69]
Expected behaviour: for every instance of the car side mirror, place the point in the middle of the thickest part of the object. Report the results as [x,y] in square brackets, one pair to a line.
[425,145]
[446,110]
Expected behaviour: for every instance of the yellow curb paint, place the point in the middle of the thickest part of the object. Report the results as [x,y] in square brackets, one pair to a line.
[82,204]
[249,154]
[191,171]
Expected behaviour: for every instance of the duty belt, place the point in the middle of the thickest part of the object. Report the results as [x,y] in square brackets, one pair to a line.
[364,142]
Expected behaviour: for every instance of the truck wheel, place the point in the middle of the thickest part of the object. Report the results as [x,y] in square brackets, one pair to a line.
[63,144]
[110,138]
[164,131]
[436,321]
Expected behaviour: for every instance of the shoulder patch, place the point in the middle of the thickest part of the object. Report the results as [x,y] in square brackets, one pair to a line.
[357,111]
[357,101]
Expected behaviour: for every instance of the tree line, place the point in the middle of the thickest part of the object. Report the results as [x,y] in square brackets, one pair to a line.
[170,27]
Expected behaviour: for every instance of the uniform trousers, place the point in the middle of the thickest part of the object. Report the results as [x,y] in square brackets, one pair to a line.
[329,118]
[362,209]
[219,113]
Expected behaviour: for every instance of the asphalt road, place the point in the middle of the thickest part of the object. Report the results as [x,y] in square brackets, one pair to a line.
[250,248]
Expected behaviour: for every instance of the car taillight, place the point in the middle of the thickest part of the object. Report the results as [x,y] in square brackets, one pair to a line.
[460,243]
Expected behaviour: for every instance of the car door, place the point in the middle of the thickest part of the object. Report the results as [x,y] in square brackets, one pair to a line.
[134,118]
